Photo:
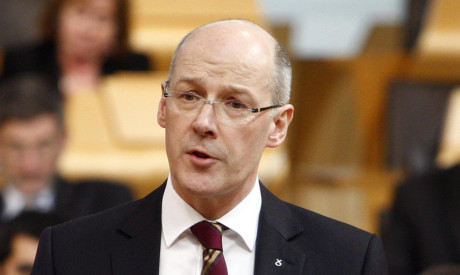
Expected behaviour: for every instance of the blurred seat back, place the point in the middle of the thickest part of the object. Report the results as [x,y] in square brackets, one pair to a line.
[113,133]
[157,26]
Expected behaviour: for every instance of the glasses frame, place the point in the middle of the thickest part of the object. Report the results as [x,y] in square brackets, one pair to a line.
[209,101]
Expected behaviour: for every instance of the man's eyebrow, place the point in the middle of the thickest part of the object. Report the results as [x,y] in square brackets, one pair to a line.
[230,88]
[190,80]
[238,89]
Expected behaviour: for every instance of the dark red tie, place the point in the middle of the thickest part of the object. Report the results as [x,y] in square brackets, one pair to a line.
[210,236]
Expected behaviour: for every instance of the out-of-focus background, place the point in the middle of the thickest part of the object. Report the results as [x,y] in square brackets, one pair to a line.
[374,90]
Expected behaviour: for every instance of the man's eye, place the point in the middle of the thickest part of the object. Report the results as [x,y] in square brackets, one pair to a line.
[236,104]
[189,96]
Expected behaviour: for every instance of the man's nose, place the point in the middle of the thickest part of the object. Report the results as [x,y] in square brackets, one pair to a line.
[31,161]
[205,122]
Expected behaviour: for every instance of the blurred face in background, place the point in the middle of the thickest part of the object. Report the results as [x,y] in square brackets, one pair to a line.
[87,29]
[21,258]
[29,151]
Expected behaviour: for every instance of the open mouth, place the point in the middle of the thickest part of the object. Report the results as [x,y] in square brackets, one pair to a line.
[200,155]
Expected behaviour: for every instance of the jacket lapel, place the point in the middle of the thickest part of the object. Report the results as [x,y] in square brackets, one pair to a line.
[64,205]
[274,252]
[137,247]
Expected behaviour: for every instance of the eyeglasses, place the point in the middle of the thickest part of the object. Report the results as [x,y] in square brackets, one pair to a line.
[229,110]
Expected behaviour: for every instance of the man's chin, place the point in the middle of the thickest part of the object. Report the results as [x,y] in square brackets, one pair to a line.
[30,188]
[198,185]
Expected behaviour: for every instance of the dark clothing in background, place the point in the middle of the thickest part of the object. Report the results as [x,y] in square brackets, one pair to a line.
[127,240]
[41,58]
[20,22]
[79,199]
[423,226]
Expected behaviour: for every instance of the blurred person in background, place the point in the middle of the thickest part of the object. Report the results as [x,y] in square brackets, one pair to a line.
[19,241]
[84,40]
[31,139]
[422,229]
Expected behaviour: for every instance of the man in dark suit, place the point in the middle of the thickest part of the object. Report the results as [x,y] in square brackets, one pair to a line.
[422,229]
[226,99]
[31,138]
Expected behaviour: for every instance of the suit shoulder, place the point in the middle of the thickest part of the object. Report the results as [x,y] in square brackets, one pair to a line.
[318,223]
[331,246]
[288,218]
[99,189]
[101,222]
[430,188]
[28,58]
[100,185]
[353,247]
[109,220]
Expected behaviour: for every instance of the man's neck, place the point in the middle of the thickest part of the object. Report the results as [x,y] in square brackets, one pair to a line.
[212,208]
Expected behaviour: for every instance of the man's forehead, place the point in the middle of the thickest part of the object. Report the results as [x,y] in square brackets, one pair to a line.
[45,121]
[231,36]
[219,51]
[229,26]
[45,118]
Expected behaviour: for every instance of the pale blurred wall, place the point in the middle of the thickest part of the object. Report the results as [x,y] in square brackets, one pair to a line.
[331,28]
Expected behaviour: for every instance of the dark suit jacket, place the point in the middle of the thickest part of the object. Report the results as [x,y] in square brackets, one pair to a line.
[127,239]
[423,226]
[79,199]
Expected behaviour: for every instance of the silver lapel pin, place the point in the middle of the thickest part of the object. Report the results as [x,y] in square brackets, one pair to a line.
[279,262]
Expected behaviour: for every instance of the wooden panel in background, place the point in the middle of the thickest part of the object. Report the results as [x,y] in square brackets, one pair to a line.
[441,32]
[437,54]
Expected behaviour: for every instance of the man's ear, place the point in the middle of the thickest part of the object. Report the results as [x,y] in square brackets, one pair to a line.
[281,121]
[161,118]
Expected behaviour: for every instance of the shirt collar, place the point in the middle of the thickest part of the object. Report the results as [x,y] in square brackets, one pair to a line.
[15,201]
[177,216]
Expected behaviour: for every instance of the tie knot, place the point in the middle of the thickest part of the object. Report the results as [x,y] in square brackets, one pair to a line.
[209,234]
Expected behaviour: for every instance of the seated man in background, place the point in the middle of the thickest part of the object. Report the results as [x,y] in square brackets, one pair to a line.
[422,229]
[31,138]
[19,241]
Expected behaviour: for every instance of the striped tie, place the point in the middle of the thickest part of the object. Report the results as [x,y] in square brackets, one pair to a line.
[210,237]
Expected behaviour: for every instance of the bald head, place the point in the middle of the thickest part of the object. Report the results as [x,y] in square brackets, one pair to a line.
[242,40]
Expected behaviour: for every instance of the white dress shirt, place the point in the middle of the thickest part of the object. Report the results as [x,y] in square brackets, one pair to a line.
[15,201]
[181,252]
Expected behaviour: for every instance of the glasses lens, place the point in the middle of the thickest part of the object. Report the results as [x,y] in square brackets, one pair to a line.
[227,111]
